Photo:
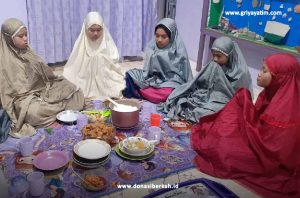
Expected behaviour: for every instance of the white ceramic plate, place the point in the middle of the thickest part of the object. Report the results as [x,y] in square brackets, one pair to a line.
[92,149]
[17,135]
[147,151]
[67,116]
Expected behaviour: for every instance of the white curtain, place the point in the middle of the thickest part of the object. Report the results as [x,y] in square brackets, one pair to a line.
[55,24]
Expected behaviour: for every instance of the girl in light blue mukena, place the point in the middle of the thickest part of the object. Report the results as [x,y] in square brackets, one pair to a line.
[213,87]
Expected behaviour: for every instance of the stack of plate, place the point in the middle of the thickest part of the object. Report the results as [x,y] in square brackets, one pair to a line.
[91,153]
[125,151]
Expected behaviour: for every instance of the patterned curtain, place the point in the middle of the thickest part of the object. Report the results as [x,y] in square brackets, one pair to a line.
[54,25]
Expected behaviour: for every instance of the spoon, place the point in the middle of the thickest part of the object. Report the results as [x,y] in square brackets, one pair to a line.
[112,101]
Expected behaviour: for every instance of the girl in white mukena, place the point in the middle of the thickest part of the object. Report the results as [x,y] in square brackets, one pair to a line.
[93,63]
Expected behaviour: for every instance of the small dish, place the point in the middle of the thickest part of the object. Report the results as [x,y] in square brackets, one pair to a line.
[92,149]
[94,182]
[135,145]
[147,151]
[67,116]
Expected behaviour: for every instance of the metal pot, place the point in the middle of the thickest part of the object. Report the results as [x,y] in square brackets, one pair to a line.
[125,119]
